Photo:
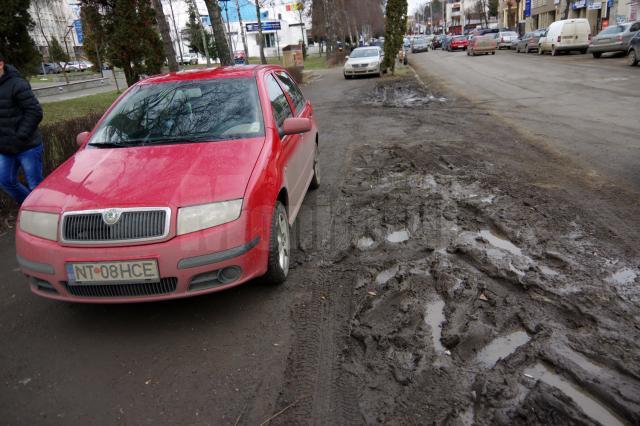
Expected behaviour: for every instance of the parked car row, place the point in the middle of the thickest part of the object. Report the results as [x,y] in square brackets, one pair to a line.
[575,35]
[564,36]
[58,67]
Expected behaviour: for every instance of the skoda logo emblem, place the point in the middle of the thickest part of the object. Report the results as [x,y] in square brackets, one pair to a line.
[111,216]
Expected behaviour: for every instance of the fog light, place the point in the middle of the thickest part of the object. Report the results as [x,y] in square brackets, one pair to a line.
[229,274]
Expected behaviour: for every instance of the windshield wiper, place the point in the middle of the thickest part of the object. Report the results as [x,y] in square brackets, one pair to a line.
[154,141]
[112,144]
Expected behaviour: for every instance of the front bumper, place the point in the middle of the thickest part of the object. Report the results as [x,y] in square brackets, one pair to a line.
[189,264]
[362,71]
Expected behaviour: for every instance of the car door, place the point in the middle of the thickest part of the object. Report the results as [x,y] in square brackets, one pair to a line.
[307,142]
[628,35]
[293,156]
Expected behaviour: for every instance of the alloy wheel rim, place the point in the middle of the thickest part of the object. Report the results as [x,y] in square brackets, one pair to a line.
[283,243]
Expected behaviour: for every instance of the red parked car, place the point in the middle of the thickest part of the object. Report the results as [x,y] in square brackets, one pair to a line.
[458,42]
[188,185]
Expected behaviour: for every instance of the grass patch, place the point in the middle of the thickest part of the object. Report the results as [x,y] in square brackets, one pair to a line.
[315,62]
[73,108]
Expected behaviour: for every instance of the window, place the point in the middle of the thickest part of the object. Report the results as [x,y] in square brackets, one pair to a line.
[293,91]
[269,40]
[635,27]
[279,103]
[183,111]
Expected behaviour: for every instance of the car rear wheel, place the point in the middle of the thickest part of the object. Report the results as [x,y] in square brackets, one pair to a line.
[632,58]
[279,247]
[315,180]
[493,53]
[597,54]
[540,52]
[554,52]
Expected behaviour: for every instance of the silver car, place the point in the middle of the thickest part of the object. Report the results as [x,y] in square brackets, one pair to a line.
[506,39]
[364,61]
[420,44]
[615,38]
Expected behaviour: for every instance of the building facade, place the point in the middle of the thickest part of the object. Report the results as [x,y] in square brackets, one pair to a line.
[282,24]
[528,15]
[59,19]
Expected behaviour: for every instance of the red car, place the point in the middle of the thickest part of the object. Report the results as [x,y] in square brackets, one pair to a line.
[187,185]
[458,42]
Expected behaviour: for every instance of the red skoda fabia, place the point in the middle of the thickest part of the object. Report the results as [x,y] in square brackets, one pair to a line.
[187,185]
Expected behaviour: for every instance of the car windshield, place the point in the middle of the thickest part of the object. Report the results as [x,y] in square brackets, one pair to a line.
[364,53]
[459,37]
[183,111]
[420,40]
[510,33]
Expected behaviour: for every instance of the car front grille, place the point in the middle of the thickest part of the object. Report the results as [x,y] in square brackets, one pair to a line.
[165,286]
[133,225]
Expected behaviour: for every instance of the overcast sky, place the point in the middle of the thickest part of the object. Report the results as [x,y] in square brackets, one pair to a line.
[413,4]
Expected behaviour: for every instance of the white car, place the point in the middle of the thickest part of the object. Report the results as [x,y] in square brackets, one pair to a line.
[364,61]
[566,35]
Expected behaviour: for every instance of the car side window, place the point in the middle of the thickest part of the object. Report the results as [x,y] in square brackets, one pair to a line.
[293,91]
[279,103]
[635,27]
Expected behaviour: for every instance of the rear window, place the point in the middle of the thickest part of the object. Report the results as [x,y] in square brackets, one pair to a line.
[613,30]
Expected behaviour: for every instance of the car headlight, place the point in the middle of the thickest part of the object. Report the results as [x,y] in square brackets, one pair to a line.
[197,218]
[40,224]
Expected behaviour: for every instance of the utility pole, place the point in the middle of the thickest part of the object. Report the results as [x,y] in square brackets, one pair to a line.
[175,28]
[244,37]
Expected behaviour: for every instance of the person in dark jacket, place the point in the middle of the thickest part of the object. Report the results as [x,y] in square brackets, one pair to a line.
[20,141]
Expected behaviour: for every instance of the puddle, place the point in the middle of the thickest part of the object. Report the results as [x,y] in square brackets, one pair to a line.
[434,317]
[501,347]
[398,236]
[623,277]
[384,276]
[365,243]
[548,271]
[582,361]
[591,406]
[501,243]
[468,416]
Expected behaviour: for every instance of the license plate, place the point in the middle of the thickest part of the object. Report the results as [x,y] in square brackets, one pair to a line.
[137,271]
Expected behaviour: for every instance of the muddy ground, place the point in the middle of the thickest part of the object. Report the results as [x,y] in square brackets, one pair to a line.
[486,280]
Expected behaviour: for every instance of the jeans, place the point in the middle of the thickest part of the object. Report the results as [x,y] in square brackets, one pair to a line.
[31,163]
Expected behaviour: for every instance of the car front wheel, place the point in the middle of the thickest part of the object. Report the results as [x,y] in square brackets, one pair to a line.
[632,58]
[279,247]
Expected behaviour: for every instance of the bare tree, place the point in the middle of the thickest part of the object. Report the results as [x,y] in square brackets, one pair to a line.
[165,32]
[222,47]
[263,59]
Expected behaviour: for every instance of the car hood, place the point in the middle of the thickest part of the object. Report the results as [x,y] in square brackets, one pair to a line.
[154,176]
[367,60]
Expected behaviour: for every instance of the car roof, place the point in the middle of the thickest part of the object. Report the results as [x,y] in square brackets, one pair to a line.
[238,71]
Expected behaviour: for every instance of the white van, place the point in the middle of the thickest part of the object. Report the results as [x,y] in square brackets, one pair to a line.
[566,35]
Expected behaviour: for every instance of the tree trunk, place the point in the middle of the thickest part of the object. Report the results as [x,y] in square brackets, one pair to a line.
[222,46]
[243,35]
[263,60]
[165,32]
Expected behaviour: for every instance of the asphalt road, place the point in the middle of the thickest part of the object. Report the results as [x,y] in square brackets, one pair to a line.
[217,359]
[585,108]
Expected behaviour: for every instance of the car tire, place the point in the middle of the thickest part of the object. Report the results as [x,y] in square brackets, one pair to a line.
[554,52]
[493,53]
[279,247]
[315,180]
[632,58]
[597,55]
[540,52]
[347,77]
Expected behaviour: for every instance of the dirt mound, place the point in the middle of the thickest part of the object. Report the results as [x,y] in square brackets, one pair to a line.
[474,306]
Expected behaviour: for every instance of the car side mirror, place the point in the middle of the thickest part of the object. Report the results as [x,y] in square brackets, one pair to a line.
[295,126]
[82,138]
[346,57]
